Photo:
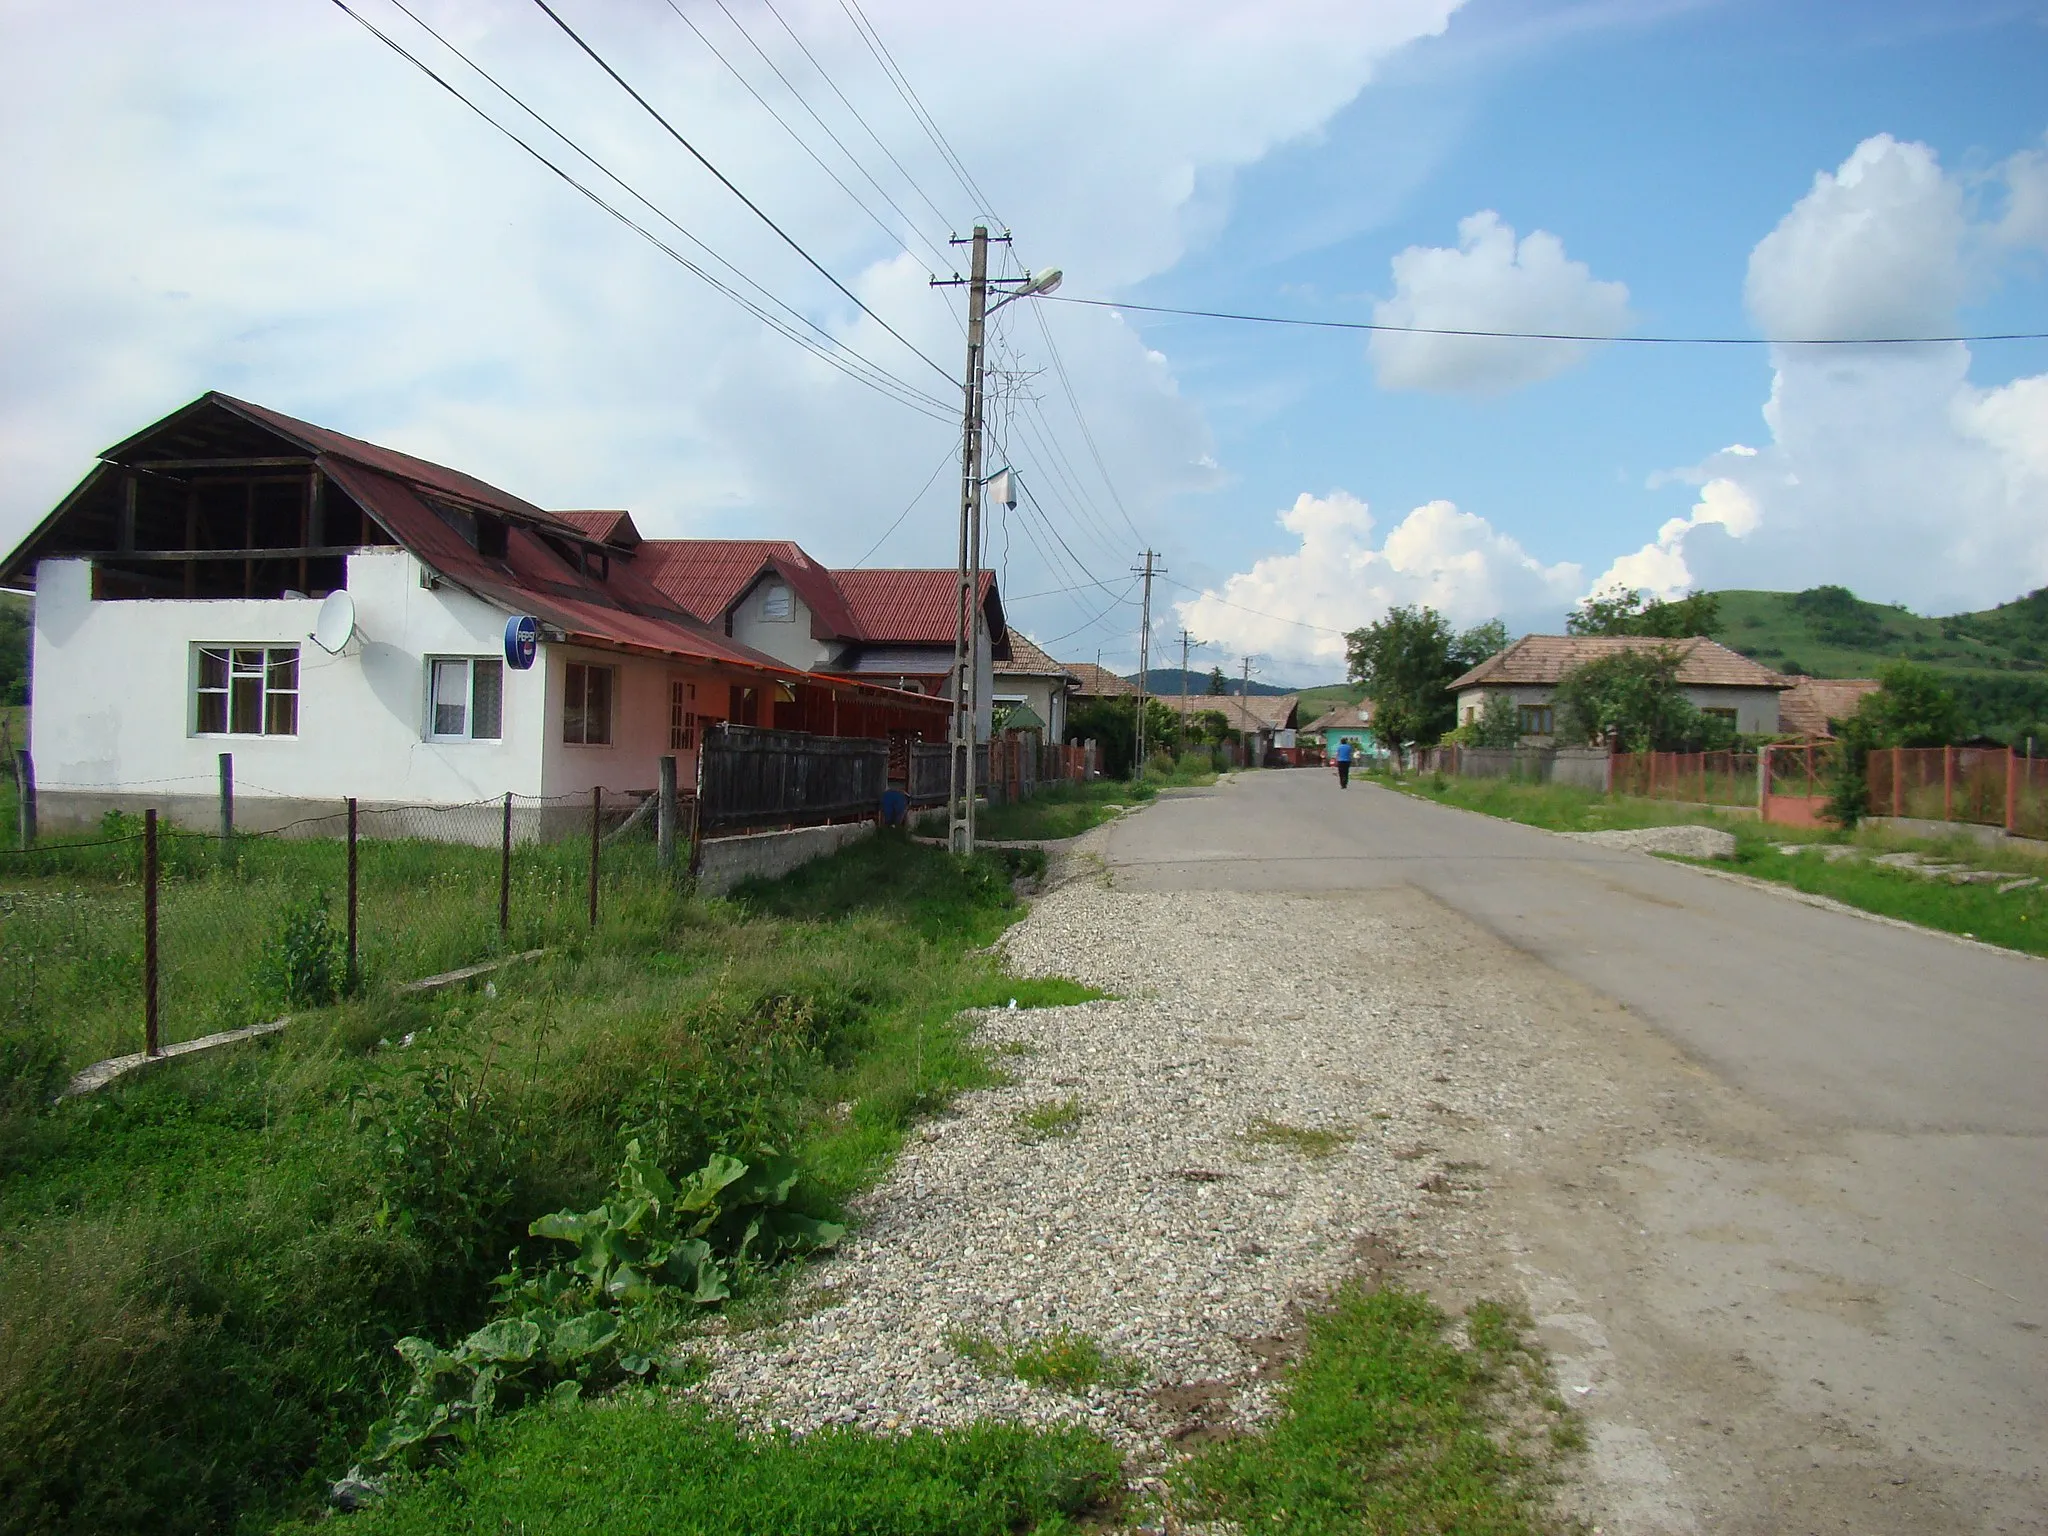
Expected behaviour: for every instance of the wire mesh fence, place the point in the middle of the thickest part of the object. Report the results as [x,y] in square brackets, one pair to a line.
[103,933]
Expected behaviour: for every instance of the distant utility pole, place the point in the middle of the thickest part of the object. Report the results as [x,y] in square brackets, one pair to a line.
[1144,651]
[1183,689]
[1244,708]
[966,616]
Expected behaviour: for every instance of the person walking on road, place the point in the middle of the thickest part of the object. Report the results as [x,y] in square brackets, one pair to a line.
[1344,763]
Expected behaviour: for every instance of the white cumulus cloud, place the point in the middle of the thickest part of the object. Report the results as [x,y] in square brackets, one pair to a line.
[1888,470]
[1491,282]
[1337,578]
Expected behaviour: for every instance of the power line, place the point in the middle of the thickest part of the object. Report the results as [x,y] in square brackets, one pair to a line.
[1655,341]
[816,265]
[1240,607]
[1081,419]
[920,496]
[803,144]
[1125,598]
[822,75]
[908,92]
[874,376]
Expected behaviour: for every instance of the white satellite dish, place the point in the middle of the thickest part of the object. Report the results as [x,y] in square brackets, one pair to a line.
[336,624]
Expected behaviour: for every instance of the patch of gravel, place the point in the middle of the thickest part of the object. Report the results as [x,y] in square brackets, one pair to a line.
[1687,842]
[1179,1224]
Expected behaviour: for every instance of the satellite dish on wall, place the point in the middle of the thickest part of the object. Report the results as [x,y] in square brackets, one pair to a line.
[336,624]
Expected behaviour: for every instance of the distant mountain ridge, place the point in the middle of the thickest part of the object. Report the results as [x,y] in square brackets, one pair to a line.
[1167,680]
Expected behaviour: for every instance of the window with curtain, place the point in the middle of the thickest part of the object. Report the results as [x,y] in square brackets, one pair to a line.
[465,698]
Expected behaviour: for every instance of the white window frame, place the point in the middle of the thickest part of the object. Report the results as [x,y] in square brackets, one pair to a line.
[581,685]
[261,671]
[470,666]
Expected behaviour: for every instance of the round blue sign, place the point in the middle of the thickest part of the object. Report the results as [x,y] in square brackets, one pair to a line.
[522,641]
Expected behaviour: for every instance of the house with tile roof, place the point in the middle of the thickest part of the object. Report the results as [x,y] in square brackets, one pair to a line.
[1717,680]
[177,590]
[1811,703]
[1346,722]
[1032,679]
[1262,720]
[1099,682]
[893,628]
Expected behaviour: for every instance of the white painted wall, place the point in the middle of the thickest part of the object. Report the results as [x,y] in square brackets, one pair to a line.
[787,640]
[115,703]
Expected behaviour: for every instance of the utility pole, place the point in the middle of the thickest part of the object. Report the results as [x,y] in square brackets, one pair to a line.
[1144,653]
[967,609]
[1183,689]
[1244,708]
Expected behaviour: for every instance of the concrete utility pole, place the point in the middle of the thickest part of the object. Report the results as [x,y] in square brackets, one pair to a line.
[1244,708]
[967,609]
[1183,689]
[1144,652]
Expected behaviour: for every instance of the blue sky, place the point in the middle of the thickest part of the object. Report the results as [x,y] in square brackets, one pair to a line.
[263,199]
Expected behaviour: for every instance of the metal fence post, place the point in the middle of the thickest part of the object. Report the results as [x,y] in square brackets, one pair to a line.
[1948,783]
[149,875]
[665,814]
[505,870]
[227,800]
[2012,792]
[351,892]
[25,782]
[596,845]
[1898,781]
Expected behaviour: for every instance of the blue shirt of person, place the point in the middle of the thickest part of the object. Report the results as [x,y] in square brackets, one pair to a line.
[1344,751]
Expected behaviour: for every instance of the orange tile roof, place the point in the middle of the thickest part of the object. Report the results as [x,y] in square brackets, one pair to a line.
[1811,702]
[1100,682]
[1261,711]
[1539,659]
[1027,660]
[1344,717]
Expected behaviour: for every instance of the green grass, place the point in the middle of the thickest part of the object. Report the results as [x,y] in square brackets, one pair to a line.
[1389,1424]
[643,1467]
[1058,810]
[1317,702]
[1065,1360]
[1300,1140]
[203,1269]
[1054,1117]
[2018,920]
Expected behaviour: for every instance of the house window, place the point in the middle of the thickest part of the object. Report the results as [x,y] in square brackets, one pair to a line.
[1535,720]
[778,603]
[587,694]
[247,690]
[682,716]
[1721,714]
[466,698]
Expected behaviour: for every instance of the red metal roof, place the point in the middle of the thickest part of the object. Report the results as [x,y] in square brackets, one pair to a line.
[915,607]
[615,528]
[707,576]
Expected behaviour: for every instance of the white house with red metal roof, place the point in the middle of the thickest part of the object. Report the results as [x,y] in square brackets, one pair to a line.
[494,647]
[893,628]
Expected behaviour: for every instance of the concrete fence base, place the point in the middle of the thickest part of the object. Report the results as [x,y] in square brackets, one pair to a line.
[723,862]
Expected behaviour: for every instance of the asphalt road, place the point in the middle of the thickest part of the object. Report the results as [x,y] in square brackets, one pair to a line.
[1863,1226]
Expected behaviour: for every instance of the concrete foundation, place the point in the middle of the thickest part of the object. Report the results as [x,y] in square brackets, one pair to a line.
[725,861]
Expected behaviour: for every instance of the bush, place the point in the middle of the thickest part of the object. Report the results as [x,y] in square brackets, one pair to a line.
[31,1064]
[304,963]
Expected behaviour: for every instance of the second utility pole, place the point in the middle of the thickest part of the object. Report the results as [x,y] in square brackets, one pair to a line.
[1144,660]
[966,637]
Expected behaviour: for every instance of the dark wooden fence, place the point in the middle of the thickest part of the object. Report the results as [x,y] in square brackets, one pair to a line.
[928,772]
[749,776]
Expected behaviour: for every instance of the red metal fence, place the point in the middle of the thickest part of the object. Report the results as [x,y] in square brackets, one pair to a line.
[1701,778]
[1990,786]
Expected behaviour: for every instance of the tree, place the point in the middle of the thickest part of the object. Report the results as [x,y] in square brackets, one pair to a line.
[1635,696]
[1219,685]
[1622,611]
[1499,723]
[1909,708]
[1211,726]
[1407,661]
[1113,725]
[14,632]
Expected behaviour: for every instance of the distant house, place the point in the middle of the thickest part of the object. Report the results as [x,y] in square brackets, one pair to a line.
[1098,682]
[1033,679]
[1807,707]
[1347,722]
[893,628]
[1262,720]
[1718,681]
[177,590]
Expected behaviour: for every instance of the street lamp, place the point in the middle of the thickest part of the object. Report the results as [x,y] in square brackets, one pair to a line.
[960,776]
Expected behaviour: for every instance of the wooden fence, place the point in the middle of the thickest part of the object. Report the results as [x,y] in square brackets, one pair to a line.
[749,776]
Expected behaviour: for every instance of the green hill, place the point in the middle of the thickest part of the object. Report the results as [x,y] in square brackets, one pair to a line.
[1996,659]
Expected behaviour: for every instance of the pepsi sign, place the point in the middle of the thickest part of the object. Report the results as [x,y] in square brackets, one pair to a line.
[522,641]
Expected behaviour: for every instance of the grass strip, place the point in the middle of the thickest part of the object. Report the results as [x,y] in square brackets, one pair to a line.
[1389,1424]
[2016,920]
[641,1466]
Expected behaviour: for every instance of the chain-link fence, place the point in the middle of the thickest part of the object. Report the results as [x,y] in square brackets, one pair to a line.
[143,934]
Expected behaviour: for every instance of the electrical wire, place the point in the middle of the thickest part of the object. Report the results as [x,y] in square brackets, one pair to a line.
[1240,607]
[1090,624]
[1081,419]
[875,378]
[951,454]
[804,144]
[1654,341]
[726,181]
[908,92]
[855,111]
